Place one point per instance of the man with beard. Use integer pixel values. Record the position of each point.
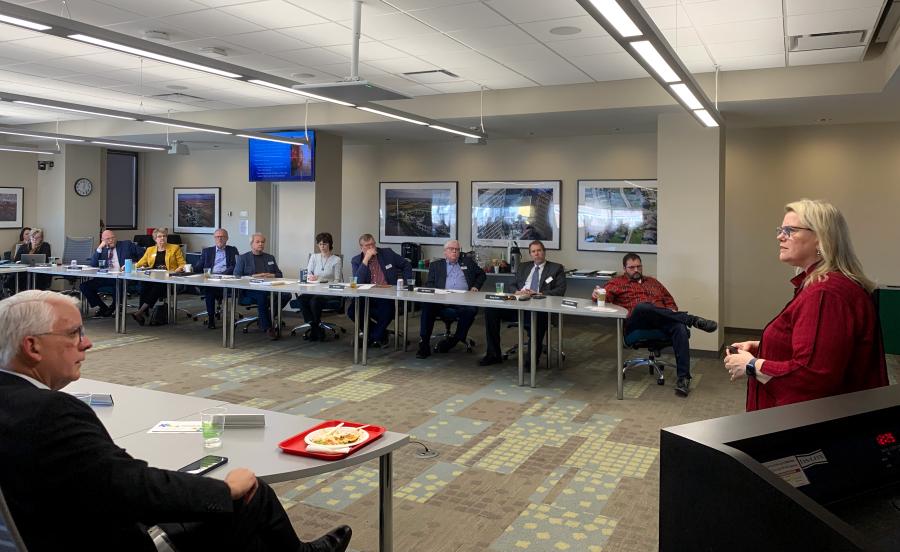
(651, 307)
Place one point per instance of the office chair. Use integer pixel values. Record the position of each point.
(332, 305)
(654, 341)
(10, 540)
(143, 240)
(449, 316)
(245, 321)
(78, 250)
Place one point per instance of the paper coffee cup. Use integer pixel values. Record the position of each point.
(601, 298)
(188, 268)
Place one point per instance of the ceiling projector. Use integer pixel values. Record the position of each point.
(177, 147)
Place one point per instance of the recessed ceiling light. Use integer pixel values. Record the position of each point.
(565, 30)
(214, 51)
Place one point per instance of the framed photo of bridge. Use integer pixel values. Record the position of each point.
(197, 210)
(11, 207)
(420, 212)
(617, 215)
(522, 211)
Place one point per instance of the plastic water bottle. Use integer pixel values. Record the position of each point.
(400, 284)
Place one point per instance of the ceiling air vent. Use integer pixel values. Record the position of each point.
(433, 76)
(828, 41)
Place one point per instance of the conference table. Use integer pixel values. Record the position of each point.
(362, 295)
(135, 411)
(13, 269)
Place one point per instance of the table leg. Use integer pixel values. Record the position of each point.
(521, 332)
(356, 330)
(16, 278)
(397, 324)
(225, 294)
(232, 311)
(124, 305)
(385, 504)
(365, 340)
(559, 342)
(405, 324)
(174, 304)
(31, 280)
(532, 350)
(620, 393)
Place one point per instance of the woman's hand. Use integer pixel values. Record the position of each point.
(751, 347)
(736, 363)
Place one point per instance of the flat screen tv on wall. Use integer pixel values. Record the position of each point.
(279, 162)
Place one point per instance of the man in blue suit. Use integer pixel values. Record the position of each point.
(380, 266)
(256, 263)
(113, 254)
(452, 272)
(220, 259)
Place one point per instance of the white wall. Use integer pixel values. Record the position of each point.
(296, 225)
(83, 214)
(20, 171)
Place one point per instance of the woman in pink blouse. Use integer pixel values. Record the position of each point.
(827, 339)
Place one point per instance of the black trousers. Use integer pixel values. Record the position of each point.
(311, 306)
(647, 316)
(492, 320)
(465, 317)
(382, 312)
(89, 288)
(152, 292)
(258, 526)
(210, 295)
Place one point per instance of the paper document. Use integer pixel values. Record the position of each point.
(600, 309)
(176, 427)
(270, 282)
(365, 286)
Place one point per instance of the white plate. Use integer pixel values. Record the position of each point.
(363, 435)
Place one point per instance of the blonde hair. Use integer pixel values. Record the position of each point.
(163, 231)
(835, 247)
(37, 231)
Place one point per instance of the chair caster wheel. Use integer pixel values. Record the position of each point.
(244, 330)
(660, 381)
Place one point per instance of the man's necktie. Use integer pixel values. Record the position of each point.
(535, 284)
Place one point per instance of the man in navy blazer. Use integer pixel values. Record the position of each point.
(113, 253)
(220, 259)
(377, 265)
(452, 272)
(256, 263)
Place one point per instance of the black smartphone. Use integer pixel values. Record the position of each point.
(732, 350)
(538, 296)
(204, 465)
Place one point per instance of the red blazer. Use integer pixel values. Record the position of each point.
(826, 341)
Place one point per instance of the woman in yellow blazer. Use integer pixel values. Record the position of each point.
(163, 255)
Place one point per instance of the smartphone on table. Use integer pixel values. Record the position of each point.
(204, 465)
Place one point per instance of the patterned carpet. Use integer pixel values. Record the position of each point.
(564, 466)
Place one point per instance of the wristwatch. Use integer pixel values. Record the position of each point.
(751, 367)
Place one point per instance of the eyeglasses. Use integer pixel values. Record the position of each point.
(77, 332)
(788, 231)
(635, 267)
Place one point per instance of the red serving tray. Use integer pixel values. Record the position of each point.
(297, 444)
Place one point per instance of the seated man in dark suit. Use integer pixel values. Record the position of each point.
(451, 272)
(53, 445)
(113, 254)
(536, 276)
(220, 259)
(259, 264)
(380, 266)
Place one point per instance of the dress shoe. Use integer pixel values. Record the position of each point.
(704, 324)
(272, 333)
(445, 345)
(105, 312)
(211, 324)
(683, 387)
(489, 360)
(335, 540)
(424, 350)
(139, 318)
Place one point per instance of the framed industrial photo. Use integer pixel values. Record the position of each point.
(420, 212)
(521, 211)
(197, 210)
(11, 207)
(617, 215)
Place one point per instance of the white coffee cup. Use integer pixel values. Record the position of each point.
(188, 268)
(601, 297)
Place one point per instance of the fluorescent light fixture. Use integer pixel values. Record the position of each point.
(646, 50)
(152, 55)
(392, 116)
(24, 150)
(613, 12)
(201, 129)
(41, 136)
(23, 23)
(705, 117)
(461, 133)
(49, 106)
(299, 92)
(119, 145)
(687, 96)
(272, 139)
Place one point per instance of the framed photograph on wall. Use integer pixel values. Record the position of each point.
(617, 215)
(11, 207)
(197, 210)
(519, 210)
(420, 212)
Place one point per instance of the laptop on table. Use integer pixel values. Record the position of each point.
(34, 260)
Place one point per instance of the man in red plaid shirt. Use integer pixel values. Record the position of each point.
(651, 307)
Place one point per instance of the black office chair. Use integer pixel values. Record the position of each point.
(10, 540)
(654, 341)
(143, 240)
(449, 316)
(332, 305)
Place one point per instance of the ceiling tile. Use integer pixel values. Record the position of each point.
(523, 11)
(425, 4)
(802, 7)
(685, 36)
(176, 33)
(369, 51)
(323, 34)
(343, 11)
(449, 60)
(541, 29)
(313, 57)
(834, 55)
(213, 23)
(298, 72)
(511, 81)
(699, 66)
(156, 8)
(34, 69)
(258, 62)
(365, 71)
(493, 37)
(730, 50)
(107, 60)
(691, 55)
(716, 12)
(195, 47)
(11, 32)
(266, 41)
(606, 67)
(480, 70)
(424, 45)
(755, 62)
(220, 3)
(402, 65)
(76, 65)
(456, 87)
(54, 46)
(668, 17)
(87, 11)
(464, 16)
(586, 46)
(97, 81)
(833, 21)
(657, 3)
(759, 29)
(274, 14)
(551, 74)
(531, 52)
(392, 26)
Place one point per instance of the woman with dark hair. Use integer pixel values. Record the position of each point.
(34, 246)
(827, 340)
(24, 239)
(322, 266)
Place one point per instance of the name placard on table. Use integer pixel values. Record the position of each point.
(424, 290)
(569, 303)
